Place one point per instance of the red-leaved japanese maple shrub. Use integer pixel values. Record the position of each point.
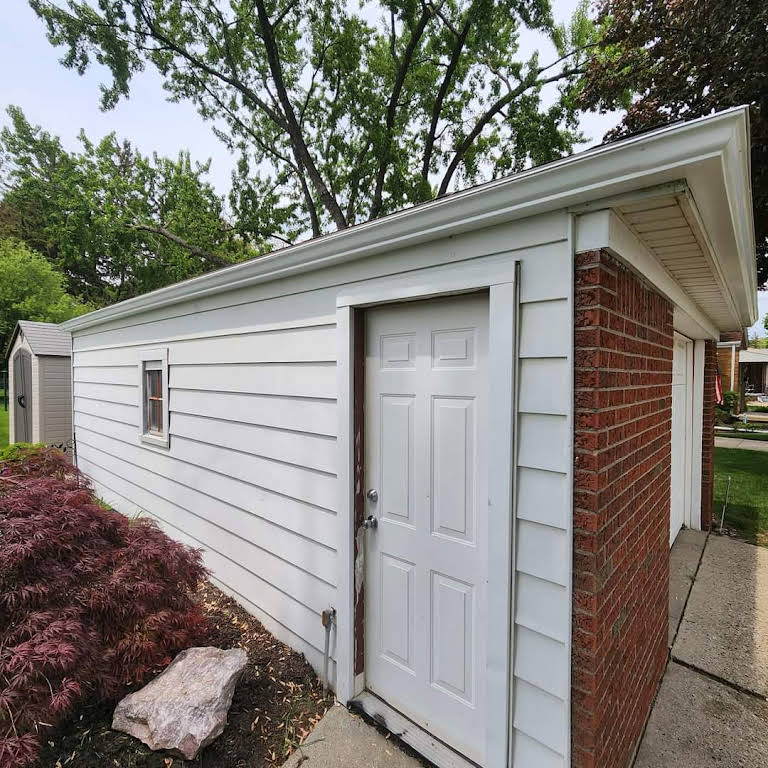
(90, 601)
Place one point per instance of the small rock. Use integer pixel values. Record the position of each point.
(185, 708)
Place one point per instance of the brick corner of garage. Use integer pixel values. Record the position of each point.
(623, 346)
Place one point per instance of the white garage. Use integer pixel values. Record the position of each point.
(468, 430)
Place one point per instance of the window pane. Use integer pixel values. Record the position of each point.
(153, 400)
(156, 409)
(154, 383)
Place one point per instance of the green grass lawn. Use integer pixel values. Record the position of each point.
(3, 422)
(747, 510)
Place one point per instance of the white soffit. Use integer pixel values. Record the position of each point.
(669, 227)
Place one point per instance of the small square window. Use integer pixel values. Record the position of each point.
(153, 369)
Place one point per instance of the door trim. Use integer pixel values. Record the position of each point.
(689, 472)
(500, 279)
(697, 425)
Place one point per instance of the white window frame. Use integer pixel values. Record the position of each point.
(155, 355)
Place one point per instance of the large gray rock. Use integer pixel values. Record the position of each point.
(185, 708)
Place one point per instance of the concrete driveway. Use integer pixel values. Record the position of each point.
(711, 709)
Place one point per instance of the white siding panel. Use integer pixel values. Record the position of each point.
(296, 617)
(311, 486)
(123, 375)
(545, 385)
(110, 393)
(105, 358)
(545, 329)
(126, 414)
(529, 753)
(542, 275)
(315, 416)
(300, 448)
(300, 585)
(542, 606)
(541, 661)
(542, 496)
(310, 380)
(540, 715)
(542, 551)
(189, 322)
(285, 346)
(544, 442)
(222, 499)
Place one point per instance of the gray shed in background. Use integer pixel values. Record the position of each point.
(39, 384)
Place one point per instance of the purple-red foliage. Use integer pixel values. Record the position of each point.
(90, 601)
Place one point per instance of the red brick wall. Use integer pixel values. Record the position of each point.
(708, 434)
(623, 399)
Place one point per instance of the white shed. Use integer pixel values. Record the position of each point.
(39, 360)
(472, 428)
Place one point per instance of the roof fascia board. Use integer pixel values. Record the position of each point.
(736, 168)
(610, 169)
(604, 229)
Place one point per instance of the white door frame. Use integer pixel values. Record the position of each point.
(501, 281)
(694, 398)
(697, 425)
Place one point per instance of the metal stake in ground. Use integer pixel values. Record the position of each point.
(725, 504)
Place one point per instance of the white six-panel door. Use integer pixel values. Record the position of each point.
(426, 427)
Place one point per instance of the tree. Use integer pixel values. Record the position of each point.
(341, 116)
(31, 289)
(664, 61)
(114, 222)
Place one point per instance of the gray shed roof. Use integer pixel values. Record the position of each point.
(43, 338)
(753, 356)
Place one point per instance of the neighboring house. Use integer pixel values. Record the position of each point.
(472, 428)
(754, 368)
(728, 356)
(38, 359)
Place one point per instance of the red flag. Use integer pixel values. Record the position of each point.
(718, 389)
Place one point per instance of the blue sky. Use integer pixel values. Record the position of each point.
(63, 102)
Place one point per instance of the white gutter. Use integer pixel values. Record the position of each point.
(655, 157)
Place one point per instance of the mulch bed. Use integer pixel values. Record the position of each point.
(277, 702)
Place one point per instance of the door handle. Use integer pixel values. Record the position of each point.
(20, 400)
(373, 495)
(370, 522)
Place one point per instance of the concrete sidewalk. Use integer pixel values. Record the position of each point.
(740, 442)
(711, 708)
(342, 738)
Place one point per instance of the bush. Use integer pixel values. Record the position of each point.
(90, 601)
(724, 412)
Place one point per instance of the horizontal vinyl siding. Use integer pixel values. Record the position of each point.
(542, 539)
(250, 476)
(251, 472)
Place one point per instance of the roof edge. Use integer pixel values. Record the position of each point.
(574, 179)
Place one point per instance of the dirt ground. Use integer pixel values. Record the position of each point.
(277, 702)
